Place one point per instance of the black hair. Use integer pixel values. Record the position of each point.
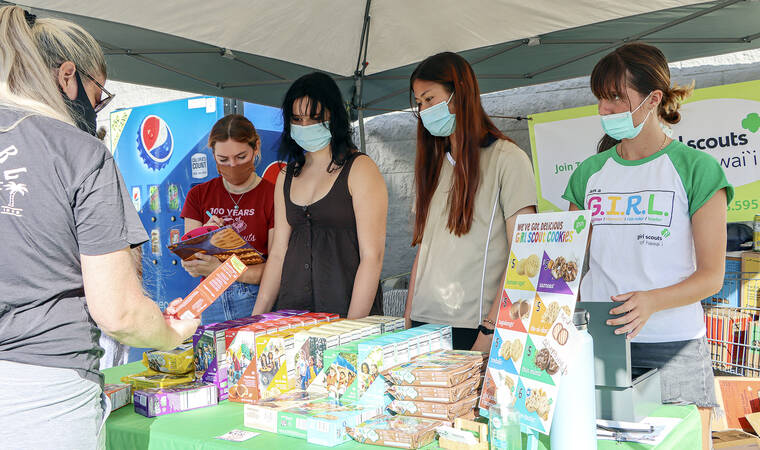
(322, 90)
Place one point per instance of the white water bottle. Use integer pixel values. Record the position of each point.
(574, 424)
(504, 422)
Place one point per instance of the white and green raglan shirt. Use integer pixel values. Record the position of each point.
(642, 238)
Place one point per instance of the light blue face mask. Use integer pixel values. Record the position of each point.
(438, 120)
(620, 126)
(312, 137)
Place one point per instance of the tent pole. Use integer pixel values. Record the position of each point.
(361, 66)
(362, 138)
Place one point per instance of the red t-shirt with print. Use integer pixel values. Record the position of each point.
(253, 219)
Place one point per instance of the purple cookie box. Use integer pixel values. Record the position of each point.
(291, 312)
(218, 378)
(185, 397)
(229, 324)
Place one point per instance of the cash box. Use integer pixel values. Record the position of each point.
(623, 392)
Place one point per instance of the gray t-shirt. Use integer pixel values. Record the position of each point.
(61, 195)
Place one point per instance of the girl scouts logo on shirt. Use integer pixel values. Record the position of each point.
(155, 142)
(631, 208)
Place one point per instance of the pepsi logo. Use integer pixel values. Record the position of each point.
(155, 142)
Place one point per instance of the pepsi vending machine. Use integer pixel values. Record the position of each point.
(162, 152)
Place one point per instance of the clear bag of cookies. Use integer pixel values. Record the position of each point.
(395, 431)
(434, 410)
(432, 372)
(434, 393)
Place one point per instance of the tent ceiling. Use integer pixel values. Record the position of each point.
(254, 50)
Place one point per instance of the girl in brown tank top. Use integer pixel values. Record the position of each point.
(327, 249)
(323, 251)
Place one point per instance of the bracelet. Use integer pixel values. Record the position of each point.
(484, 330)
(490, 321)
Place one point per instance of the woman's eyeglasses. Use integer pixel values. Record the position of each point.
(103, 102)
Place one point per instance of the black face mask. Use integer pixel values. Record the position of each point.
(81, 109)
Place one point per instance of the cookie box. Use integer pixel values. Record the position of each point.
(395, 431)
(262, 415)
(210, 289)
(454, 355)
(272, 363)
(387, 323)
(210, 346)
(218, 377)
(119, 395)
(309, 346)
(434, 410)
(329, 428)
(242, 373)
(177, 361)
(443, 373)
(375, 355)
(436, 394)
(321, 417)
(158, 402)
(148, 379)
(441, 337)
(291, 312)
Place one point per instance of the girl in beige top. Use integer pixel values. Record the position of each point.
(472, 182)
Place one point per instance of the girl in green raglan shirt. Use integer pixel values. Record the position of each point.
(658, 211)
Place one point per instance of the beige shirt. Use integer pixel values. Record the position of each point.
(450, 269)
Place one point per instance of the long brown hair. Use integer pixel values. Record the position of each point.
(644, 68)
(473, 130)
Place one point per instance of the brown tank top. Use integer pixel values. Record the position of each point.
(323, 251)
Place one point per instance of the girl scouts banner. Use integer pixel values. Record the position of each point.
(723, 121)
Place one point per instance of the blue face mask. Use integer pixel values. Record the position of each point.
(311, 137)
(620, 126)
(438, 120)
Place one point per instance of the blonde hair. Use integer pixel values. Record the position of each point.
(672, 100)
(31, 55)
(25, 79)
(60, 40)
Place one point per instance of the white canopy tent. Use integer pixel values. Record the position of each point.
(253, 50)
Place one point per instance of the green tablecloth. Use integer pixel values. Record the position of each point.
(198, 429)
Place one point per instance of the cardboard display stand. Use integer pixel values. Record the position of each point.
(541, 288)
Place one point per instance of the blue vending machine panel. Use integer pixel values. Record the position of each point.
(268, 123)
(162, 152)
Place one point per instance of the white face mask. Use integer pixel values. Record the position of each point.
(620, 126)
(311, 137)
(438, 120)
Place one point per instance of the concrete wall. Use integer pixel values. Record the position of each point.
(391, 137)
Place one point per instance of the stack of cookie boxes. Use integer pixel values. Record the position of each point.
(164, 369)
(442, 385)
(210, 344)
(338, 396)
(168, 385)
(247, 363)
(270, 358)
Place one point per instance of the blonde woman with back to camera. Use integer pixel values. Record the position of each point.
(68, 228)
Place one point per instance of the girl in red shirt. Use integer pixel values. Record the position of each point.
(238, 197)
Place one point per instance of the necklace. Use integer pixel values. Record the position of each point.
(248, 188)
(619, 148)
(236, 207)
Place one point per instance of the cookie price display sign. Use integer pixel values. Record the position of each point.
(529, 353)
